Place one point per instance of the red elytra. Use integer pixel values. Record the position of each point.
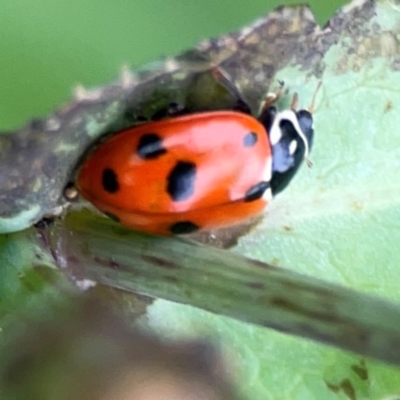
(178, 175)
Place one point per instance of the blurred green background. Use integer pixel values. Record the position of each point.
(48, 46)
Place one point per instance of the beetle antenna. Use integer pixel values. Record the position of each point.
(311, 107)
(295, 101)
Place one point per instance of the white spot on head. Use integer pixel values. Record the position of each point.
(292, 147)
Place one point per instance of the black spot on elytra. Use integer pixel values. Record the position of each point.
(150, 146)
(109, 181)
(112, 216)
(250, 139)
(181, 181)
(183, 227)
(256, 191)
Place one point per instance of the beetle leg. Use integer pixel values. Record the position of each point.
(272, 98)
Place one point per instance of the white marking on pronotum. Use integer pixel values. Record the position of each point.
(275, 134)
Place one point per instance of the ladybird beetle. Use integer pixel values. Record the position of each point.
(199, 171)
